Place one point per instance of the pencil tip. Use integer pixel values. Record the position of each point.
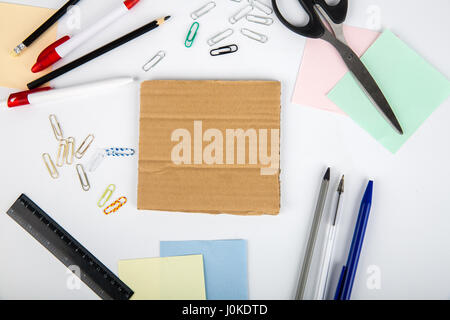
(341, 185)
(327, 175)
(167, 18)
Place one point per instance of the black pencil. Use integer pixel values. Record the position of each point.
(44, 27)
(96, 53)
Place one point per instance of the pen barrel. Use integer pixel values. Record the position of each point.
(94, 54)
(355, 250)
(312, 241)
(78, 39)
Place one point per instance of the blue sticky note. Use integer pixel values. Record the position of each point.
(225, 263)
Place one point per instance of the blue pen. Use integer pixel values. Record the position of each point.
(345, 285)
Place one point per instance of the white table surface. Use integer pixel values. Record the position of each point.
(408, 235)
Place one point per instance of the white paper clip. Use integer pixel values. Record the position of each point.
(241, 14)
(259, 19)
(203, 10)
(261, 6)
(254, 35)
(154, 61)
(96, 160)
(220, 36)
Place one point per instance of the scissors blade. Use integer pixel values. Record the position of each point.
(368, 84)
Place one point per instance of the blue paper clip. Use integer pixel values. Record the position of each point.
(120, 152)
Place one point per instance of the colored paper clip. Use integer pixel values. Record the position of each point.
(154, 61)
(50, 166)
(120, 152)
(70, 150)
(116, 205)
(254, 35)
(83, 177)
(56, 127)
(224, 50)
(259, 19)
(62, 153)
(261, 6)
(241, 14)
(191, 35)
(84, 146)
(106, 195)
(203, 10)
(220, 36)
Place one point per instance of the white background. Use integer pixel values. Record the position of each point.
(408, 233)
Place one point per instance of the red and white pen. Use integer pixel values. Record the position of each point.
(49, 94)
(62, 47)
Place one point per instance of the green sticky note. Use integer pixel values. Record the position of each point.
(412, 86)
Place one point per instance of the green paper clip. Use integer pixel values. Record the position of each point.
(106, 195)
(191, 35)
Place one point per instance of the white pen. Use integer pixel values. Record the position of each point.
(327, 254)
(49, 94)
(62, 47)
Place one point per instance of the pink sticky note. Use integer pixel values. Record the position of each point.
(322, 68)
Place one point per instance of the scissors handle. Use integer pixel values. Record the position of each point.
(314, 28)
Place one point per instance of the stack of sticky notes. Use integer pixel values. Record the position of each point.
(413, 87)
(190, 270)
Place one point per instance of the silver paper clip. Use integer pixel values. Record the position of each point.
(154, 61)
(261, 6)
(62, 153)
(241, 14)
(56, 127)
(70, 150)
(84, 146)
(259, 19)
(254, 35)
(224, 50)
(220, 36)
(203, 10)
(50, 166)
(83, 177)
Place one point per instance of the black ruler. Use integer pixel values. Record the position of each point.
(68, 250)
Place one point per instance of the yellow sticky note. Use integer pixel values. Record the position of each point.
(17, 22)
(171, 278)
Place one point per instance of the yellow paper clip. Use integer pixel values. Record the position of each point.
(56, 127)
(116, 205)
(70, 150)
(84, 146)
(50, 166)
(83, 177)
(62, 153)
(106, 195)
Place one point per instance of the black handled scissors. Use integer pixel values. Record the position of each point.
(320, 14)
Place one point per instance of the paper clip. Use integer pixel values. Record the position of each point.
(259, 19)
(62, 153)
(116, 205)
(70, 150)
(191, 35)
(56, 127)
(224, 50)
(120, 152)
(84, 146)
(254, 35)
(261, 6)
(203, 10)
(106, 195)
(220, 36)
(241, 14)
(50, 166)
(83, 177)
(154, 61)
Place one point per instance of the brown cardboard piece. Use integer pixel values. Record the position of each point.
(180, 121)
